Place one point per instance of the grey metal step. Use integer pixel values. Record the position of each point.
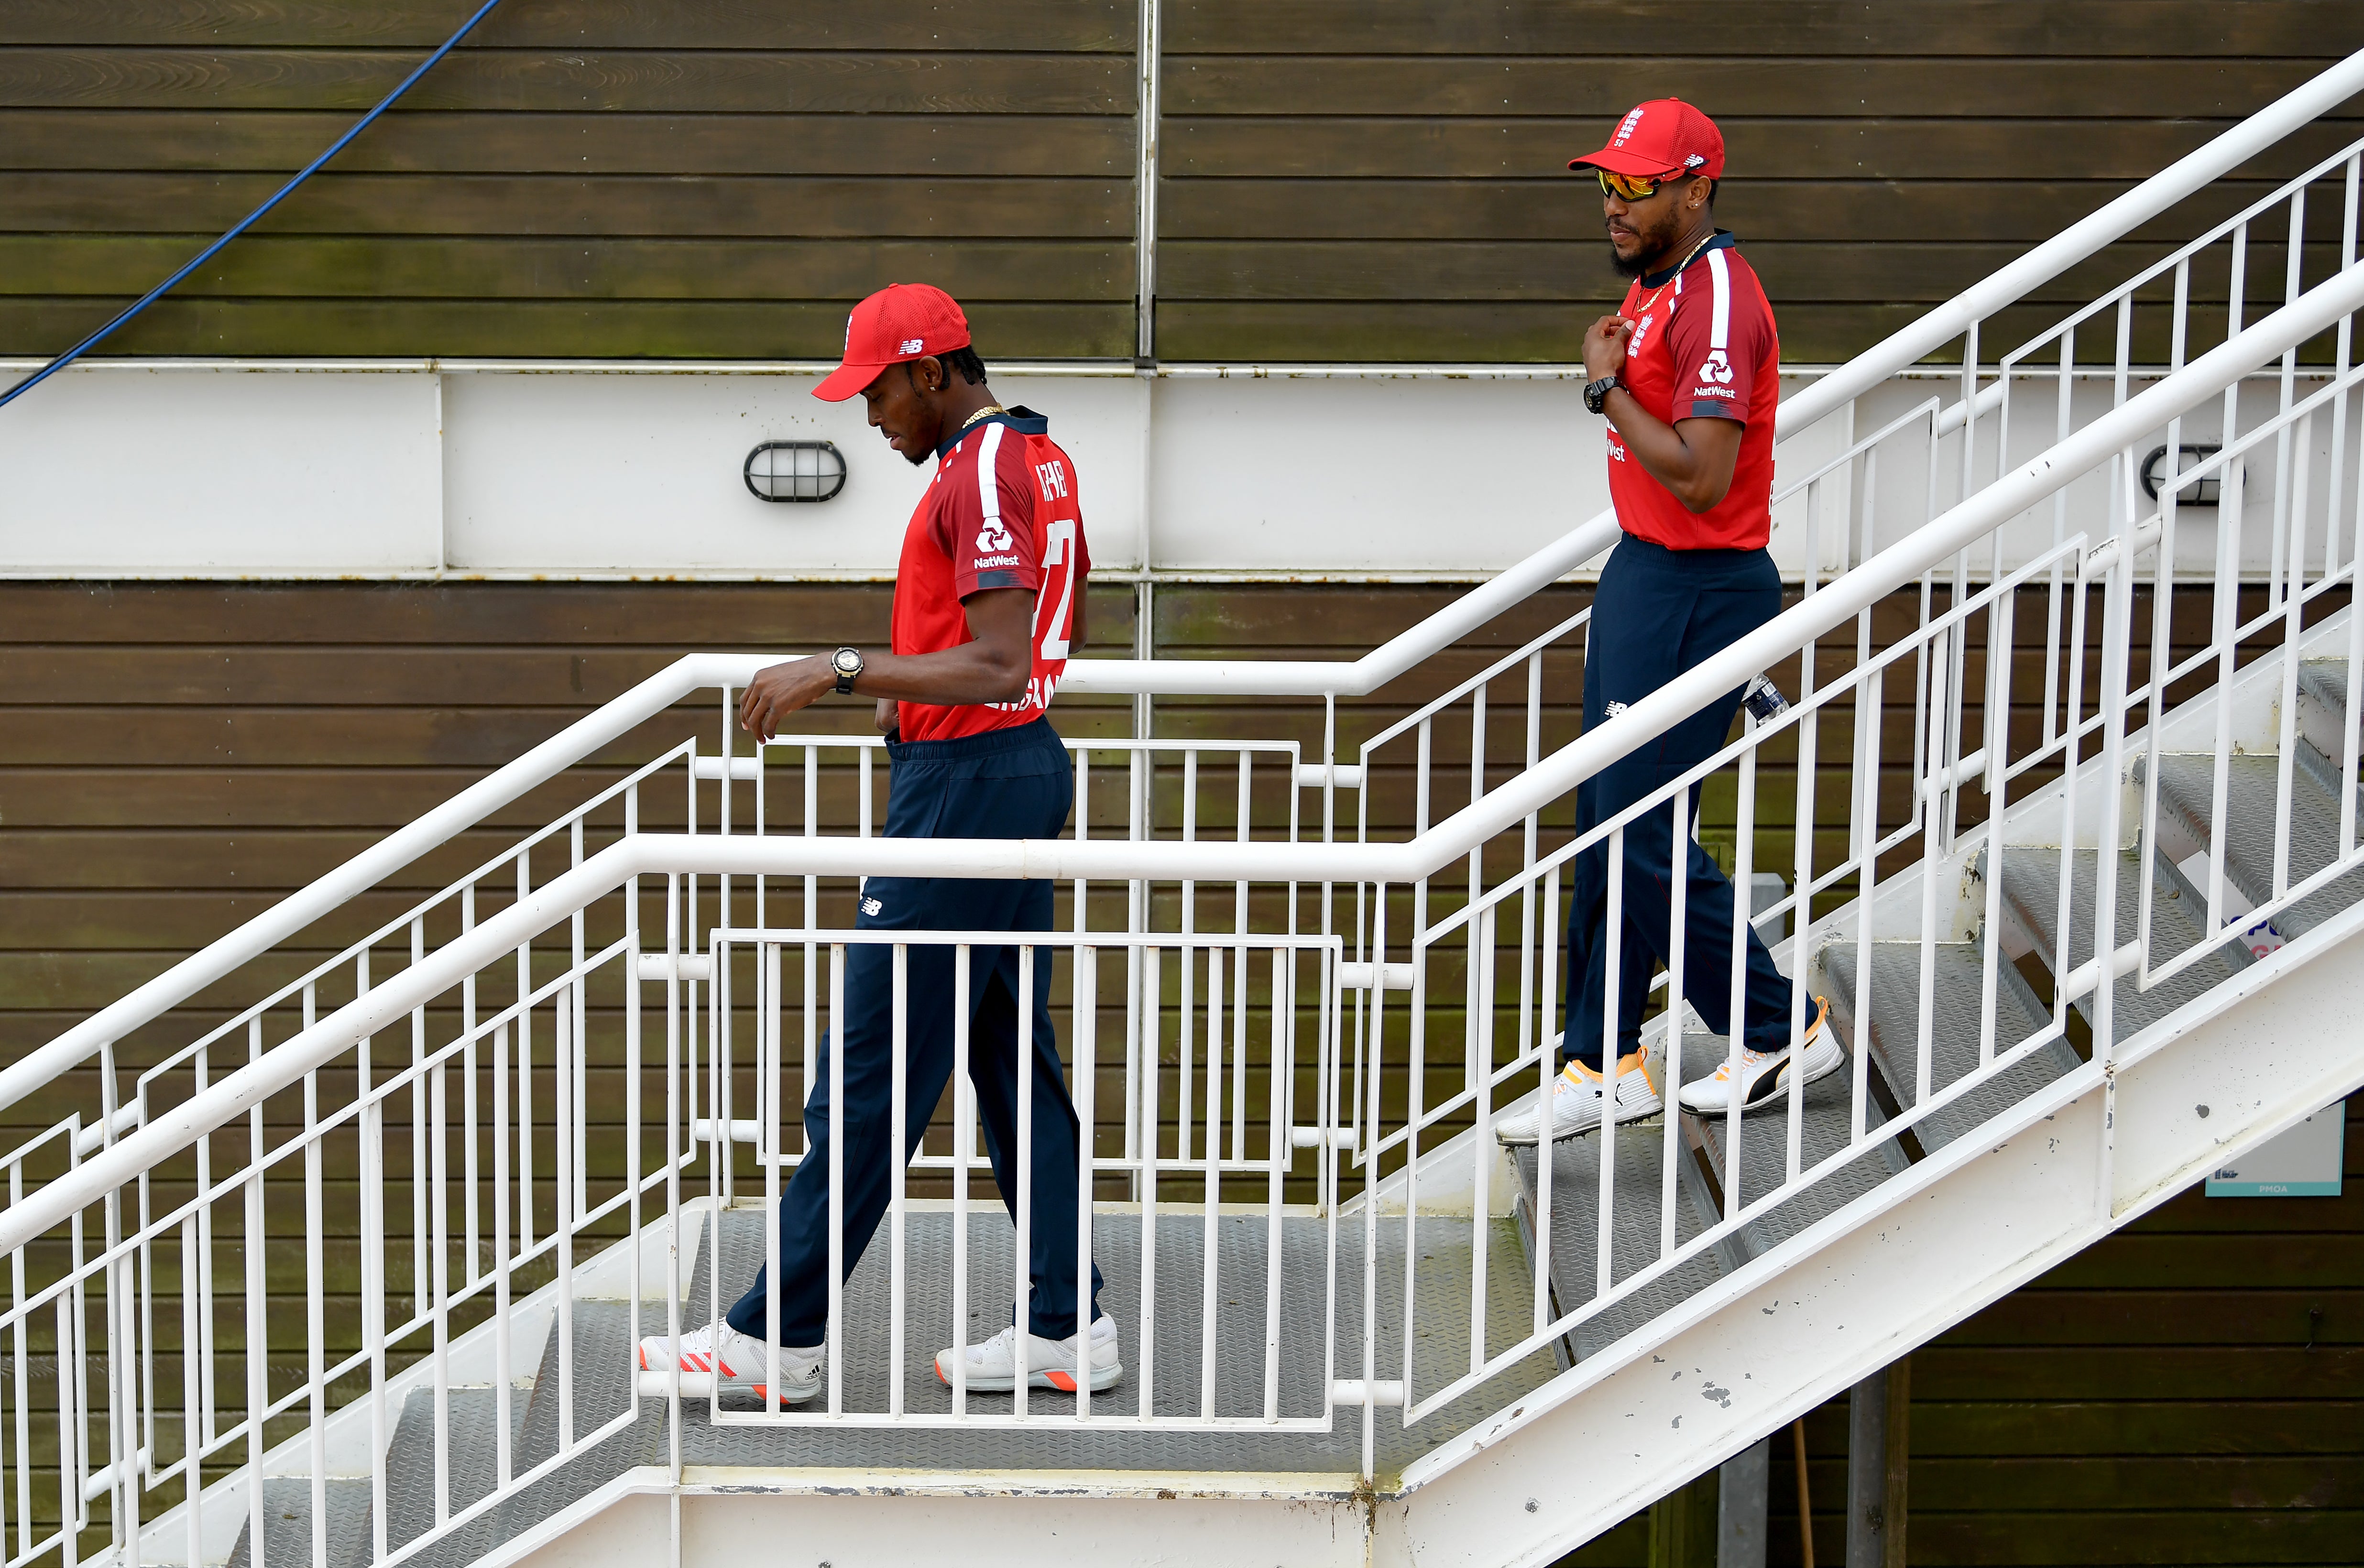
(2253, 787)
(1825, 1124)
(471, 1427)
(1634, 1224)
(1958, 1022)
(2031, 897)
(288, 1525)
(2323, 705)
(603, 1370)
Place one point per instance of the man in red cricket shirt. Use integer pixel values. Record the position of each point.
(1688, 375)
(989, 605)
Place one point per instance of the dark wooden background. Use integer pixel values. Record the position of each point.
(1342, 179)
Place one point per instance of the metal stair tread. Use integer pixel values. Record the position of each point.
(1825, 1125)
(2253, 785)
(472, 1425)
(1958, 1022)
(1633, 1228)
(2326, 679)
(2031, 889)
(603, 1366)
(287, 1524)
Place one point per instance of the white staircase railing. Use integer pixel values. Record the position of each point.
(462, 1165)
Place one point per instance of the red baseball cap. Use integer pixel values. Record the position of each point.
(1665, 136)
(901, 321)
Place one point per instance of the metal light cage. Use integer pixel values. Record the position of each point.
(795, 471)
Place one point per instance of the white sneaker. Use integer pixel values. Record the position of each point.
(1575, 1101)
(718, 1356)
(1050, 1364)
(1763, 1073)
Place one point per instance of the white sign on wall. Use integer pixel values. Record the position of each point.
(2301, 1162)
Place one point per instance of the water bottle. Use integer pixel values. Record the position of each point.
(1763, 699)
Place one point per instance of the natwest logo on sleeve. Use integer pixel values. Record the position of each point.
(993, 536)
(1716, 368)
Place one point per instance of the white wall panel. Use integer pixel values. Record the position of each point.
(566, 473)
(1333, 473)
(583, 470)
(113, 471)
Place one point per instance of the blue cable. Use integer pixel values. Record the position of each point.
(249, 221)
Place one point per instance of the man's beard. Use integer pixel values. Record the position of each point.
(1658, 248)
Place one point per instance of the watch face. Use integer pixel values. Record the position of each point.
(848, 661)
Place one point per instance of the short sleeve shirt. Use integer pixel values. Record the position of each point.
(1003, 511)
(1703, 347)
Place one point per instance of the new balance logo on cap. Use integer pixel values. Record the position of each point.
(913, 346)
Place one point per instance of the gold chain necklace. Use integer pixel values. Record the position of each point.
(1644, 307)
(989, 409)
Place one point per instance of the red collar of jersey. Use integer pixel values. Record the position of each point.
(1020, 418)
(1723, 241)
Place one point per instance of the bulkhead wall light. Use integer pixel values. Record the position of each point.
(795, 471)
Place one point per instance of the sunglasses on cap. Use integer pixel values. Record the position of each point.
(1633, 188)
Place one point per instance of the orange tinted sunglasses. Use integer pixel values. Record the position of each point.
(1629, 187)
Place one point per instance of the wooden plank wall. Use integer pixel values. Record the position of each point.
(699, 179)
(1356, 182)
(1342, 179)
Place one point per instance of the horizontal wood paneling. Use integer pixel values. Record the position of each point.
(721, 179)
(644, 81)
(1873, 147)
(681, 206)
(340, 266)
(1505, 84)
(1881, 156)
(1971, 27)
(715, 180)
(440, 143)
(1079, 24)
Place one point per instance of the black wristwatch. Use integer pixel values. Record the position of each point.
(1596, 393)
(847, 662)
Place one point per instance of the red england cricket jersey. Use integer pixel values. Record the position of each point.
(1004, 511)
(1703, 347)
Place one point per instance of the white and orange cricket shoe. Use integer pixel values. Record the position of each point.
(734, 1362)
(1577, 1101)
(1050, 1364)
(1763, 1073)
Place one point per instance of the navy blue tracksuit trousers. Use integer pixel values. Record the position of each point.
(1656, 613)
(1006, 784)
